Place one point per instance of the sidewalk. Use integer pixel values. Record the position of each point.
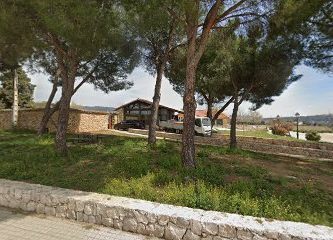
(14, 225)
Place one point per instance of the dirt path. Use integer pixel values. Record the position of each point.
(326, 137)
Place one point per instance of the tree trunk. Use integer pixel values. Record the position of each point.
(194, 53)
(188, 149)
(48, 111)
(233, 137)
(60, 139)
(210, 109)
(68, 77)
(217, 114)
(155, 105)
(15, 99)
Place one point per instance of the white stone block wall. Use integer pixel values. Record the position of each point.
(148, 218)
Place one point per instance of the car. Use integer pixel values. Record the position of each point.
(126, 124)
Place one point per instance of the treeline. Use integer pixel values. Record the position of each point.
(323, 119)
(217, 52)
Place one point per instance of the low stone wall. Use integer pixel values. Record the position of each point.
(148, 218)
(79, 120)
(303, 144)
(255, 144)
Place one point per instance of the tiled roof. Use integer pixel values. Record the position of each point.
(203, 113)
(149, 103)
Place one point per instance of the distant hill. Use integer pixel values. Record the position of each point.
(96, 108)
(77, 106)
(323, 119)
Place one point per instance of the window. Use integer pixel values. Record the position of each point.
(198, 122)
(206, 122)
(163, 117)
(145, 112)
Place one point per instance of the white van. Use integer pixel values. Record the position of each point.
(203, 126)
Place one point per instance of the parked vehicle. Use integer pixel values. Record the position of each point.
(126, 124)
(202, 126)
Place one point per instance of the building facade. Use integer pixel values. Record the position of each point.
(140, 109)
(222, 120)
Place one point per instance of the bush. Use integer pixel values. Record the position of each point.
(312, 136)
(281, 128)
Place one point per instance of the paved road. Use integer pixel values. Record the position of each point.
(326, 137)
(14, 226)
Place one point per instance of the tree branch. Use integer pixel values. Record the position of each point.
(87, 77)
(209, 22)
(217, 114)
(228, 11)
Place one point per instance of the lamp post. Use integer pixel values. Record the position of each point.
(297, 123)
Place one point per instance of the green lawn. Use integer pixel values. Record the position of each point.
(231, 181)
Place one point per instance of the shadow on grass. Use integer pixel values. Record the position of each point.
(222, 181)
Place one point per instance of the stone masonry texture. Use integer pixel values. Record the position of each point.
(308, 149)
(18, 225)
(79, 120)
(151, 219)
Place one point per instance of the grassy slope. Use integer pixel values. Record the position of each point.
(232, 181)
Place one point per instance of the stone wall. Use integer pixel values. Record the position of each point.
(316, 150)
(90, 121)
(5, 119)
(148, 218)
(79, 120)
(271, 141)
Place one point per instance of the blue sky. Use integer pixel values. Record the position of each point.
(312, 94)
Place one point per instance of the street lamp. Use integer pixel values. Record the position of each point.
(297, 122)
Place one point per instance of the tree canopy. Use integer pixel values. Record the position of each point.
(158, 31)
(87, 41)
(311, 21)
(25, 89)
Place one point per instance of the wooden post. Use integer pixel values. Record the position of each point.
(15, 99)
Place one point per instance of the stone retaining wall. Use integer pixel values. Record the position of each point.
(257, 144)
(271, 141)
(79, 120)
(148, 218)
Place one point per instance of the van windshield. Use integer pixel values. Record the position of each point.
(206, 122)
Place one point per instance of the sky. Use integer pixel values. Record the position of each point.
(311, 95)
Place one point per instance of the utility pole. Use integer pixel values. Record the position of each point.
(15, 99)
(297, 122)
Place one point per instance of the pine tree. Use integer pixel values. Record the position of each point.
(88, 40)
(25, 89)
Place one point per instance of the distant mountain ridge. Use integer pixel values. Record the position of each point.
(324, 119)
(77, 106)
(96, 108)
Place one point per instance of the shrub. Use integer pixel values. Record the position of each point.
(162, 178)
(312, 136)
(281, 128)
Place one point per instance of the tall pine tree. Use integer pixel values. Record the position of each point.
(25, 89)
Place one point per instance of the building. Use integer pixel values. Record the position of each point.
(222, 120)
(79, 120)
(140, 109)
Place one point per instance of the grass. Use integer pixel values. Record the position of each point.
(231, 181)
